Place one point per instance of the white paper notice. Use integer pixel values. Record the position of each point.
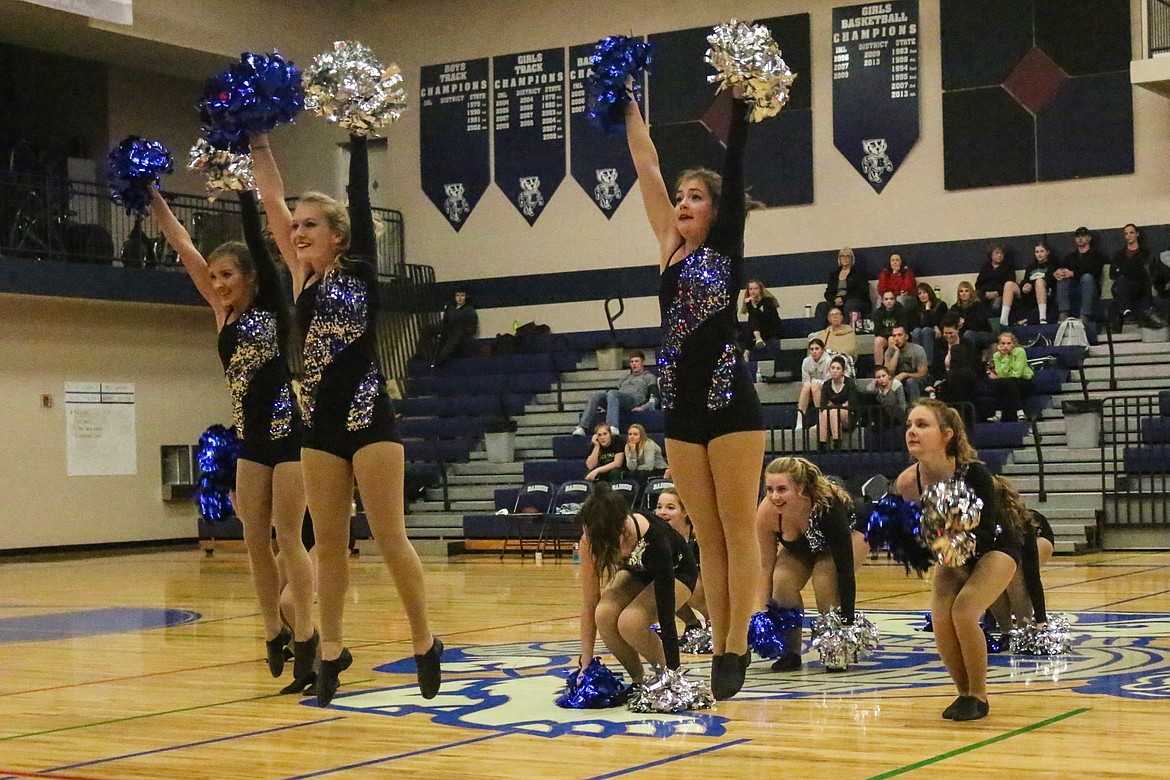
(99, 429)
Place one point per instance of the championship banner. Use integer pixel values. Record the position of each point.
(875, 86)
(600, 161)
(529, 129)
(454, 155)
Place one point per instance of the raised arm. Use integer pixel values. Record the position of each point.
(271, 188)
(178, 237)
(364, 243)
(767, 523)
(726, 235)
(655, 197)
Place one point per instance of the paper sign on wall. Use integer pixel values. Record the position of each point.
(99, 429)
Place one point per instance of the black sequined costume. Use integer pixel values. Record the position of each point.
(990, 534)
(660, 557)
(345, 404)
(263, 406)
(1030, 564)
(829, 533)
(707, 391)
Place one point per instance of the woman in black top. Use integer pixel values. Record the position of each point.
(996, 284)
(646, 568)
(1130, 272)
(804, 530)
(974, 313)
(608, 456)
(458, 325)
(1024, 597)
(926, 328)
(762, 329)
(349, 422)
(957, 373)
(1039, 284)
(251, 314)
(838, 395)
(847, 290)
(888, 315)
(937, 440)
(714, 423)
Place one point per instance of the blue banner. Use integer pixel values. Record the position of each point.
(529, 129)
(454, 156)
(601, 161)
(875, 86)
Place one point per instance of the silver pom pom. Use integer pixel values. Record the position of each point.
(1051, 638)
(669, 690)
(225, 170)
(696, 640)
(950, 512)
(841, 644)
(748, 56)
(349, 86)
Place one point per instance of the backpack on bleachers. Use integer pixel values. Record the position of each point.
(1071, 333)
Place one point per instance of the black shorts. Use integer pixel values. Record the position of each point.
(703, 426)
(271, 452)
(344, 443)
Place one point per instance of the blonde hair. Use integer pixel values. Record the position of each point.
(806, 475)
(1011, 336)
(846, 251)
(641, 445)
(965, 286)
(1012, 511)
(764, 294)
(959, 447)
(336, 215)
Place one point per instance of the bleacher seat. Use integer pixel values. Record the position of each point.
(527, 519)
(654, 487)
(629, 489)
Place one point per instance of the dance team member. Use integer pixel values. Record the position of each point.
(645, 568)
(349, 423)
(671, 509)
(937, 440)
(713, 420)
(252, 319)
(805, 531)
(1024, 599)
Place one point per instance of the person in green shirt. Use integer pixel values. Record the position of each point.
(1011, 378)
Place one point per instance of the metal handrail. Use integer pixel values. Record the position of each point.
(1037, 438)
(610, 318)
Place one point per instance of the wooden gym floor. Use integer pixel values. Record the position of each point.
(178, 689)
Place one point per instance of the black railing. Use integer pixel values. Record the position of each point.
(408, 304)
(1135, 461)
(1158, 30)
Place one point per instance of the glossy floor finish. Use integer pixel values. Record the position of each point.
(178, 687)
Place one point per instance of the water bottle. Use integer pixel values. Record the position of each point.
(807, 310)
(576, 552)
(937, 291)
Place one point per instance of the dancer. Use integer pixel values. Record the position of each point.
(714, 423)
(646, 568)
(937, 440)
(1023, 603)
(252, 319)
(349, 423)
(805, 531)
(671, 509)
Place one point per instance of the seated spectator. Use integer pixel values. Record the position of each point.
(1078, 278)
(972, 313)
(637, 391)
(897, 278)
(906, 362)
(996, 285)
(889, 397)
(1130, 272)
(1011, 378)
(848, 289)
(838, 337)
(761, 332)
(888, 315)
(643, 456)
(926, 320)
(1039, 281)
(608, 456)
(838, 394)
(458, 325)
(957, 372)
(813, 373)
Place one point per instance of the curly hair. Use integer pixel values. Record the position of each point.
(1012, 511)
(959, 447)
(603, 516)
(806, 475)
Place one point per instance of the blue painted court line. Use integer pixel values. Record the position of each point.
(90, 622)
(412, 753)
(679, 757)
(194, 744)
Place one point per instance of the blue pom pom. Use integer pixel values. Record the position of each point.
(766, 630)
(595, 687)
(894, 525)
(614, 60)
(132, 168)
(253, 96)
(219, 448)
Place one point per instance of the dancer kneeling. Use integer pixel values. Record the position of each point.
(805, 532)
(696, 636)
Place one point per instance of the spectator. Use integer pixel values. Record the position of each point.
(1011, 378)
(972, 313)
(762, 329)
(607, 458)
(637, 391)
(897, 278)
(906, 362)
(459, 324)
(813, 373)
(887, 316)
(996, 284)
(1078, 278)
(957, 371)
(838, 338)
(643, 456)
(838, 394)
(890, 398)
(847, 289)
(927, 320)
(1039, 280)
(1130, 272)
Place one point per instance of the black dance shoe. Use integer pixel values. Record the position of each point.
(971, 709)
(430, 673)
(727, 678)
(955, 706)
(327, 677)
(276, 648)
(789, 662)
(304, 659)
